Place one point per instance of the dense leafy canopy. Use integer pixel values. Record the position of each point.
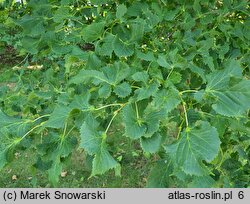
(176, 72)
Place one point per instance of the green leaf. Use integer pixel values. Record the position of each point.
(80, 54)
(141, 76)
(123, 49)
(57, 148)
(230, 99)
(7, 144)
(223, 50)
(104, 91)
(67, 146)
(149, 56)
(202, 182)
(199, 71)
(86, 74)
(121, 10)
(196, 144)
(220, 79)
(163, 62)
(93, 141)
(159, 176)
(146, 91)
(167, 99)
(116, 72)
(170, 15)
(137, 30)
(93, 62)
(91, 138)
(93, 31)
(151, 144)
(133, 126)
(151, 118)
(58, 117)
(81, 102)
(175, 77)
(137, 126)
(55, 171)
(7, 121)
(30, 44)
(99, 2)
(61, 14)
(105, 46)
(209, 61)
(31, 26)
(233, 101)
(14, 126)
(103, 162)
(123, 90)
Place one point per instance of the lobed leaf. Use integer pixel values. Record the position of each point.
(197, 144)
